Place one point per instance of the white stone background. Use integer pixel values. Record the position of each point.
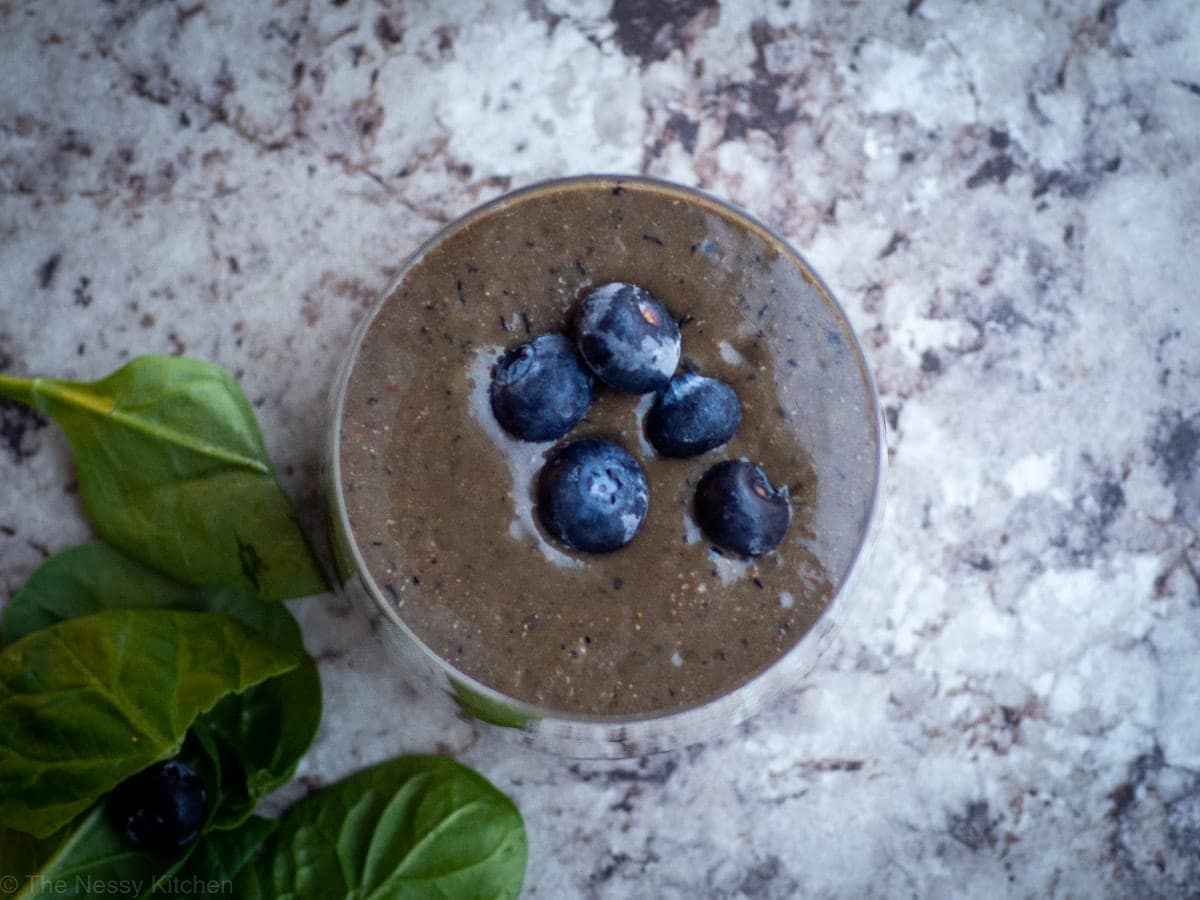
(1005, 196)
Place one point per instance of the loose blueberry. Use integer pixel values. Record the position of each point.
(628, 338)
(739, 510)
(541, 389)
(160, 808)
(592, 496)
(692, 415)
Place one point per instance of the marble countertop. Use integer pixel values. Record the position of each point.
(1006, 198)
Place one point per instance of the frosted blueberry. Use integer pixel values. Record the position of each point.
(739, 510)
(592, 495)
(628, 338)
(541, 389)
(692, 415)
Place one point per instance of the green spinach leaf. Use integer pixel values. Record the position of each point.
(86, 858)
(487, 710)
(88, 702)
(415, 827)
(172, 469)
(88, 579)
(90, 856)
(21, 855)
(89, 853)
(261, 733)
(256, 737)
(218, 859)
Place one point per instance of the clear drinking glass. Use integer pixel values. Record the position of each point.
(844, 436)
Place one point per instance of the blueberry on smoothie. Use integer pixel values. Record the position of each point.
(692, 415)
(541, 389)
(739, 510)
(592, 495)
(628, 338)
(161, 808)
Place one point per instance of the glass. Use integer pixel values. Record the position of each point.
(846, 434)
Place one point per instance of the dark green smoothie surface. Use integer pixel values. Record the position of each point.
(440, 500)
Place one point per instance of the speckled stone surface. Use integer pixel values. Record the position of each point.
(1005, 196)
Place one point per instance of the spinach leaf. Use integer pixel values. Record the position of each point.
(87, 857)
(218, 859)
(91, 852)
(261, 733)
(87, 579)
(256, 737)
(20, 856)
(486, 709)
(91, 856)
(88, 852)
(415, 827)
(88, 702)
(173, 470)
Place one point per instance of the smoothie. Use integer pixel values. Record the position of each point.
(440, 500)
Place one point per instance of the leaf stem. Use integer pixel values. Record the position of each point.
(19, 389)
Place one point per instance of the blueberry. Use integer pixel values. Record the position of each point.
(541, 389)
(692, 415)
(592, 496)
(739, 510)
(628, 338)
(160, 808)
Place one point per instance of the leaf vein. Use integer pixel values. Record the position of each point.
(71, 396)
